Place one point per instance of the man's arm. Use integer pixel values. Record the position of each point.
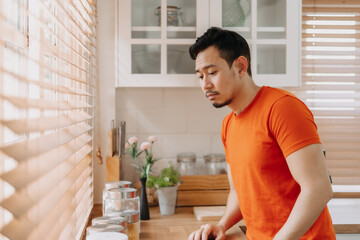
(231, 216)
(307, 166)
(232, 213)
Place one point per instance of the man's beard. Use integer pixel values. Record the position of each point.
(220, 105)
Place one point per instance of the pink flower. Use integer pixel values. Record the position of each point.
(145, 146)
(127, 145)
(152, 139)
(132, 140)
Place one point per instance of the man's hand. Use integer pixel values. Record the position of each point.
(208, 232)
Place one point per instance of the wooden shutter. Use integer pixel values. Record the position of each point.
(47, 100)
(331, 81)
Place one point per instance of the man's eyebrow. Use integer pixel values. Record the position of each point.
(204, 68)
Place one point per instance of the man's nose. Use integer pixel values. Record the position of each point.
(207, 83)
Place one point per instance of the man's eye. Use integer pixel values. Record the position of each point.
(212, 73)
(201, 77)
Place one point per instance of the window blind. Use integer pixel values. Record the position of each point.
(331, 81)
(47, 110)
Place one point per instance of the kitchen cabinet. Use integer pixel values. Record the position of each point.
(152, 45)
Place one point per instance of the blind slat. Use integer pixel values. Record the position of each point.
(320, 79)
(37, 146)
(356, 44)
(22, 102)
(336, 9)
(45, 123)
(46, 162)
(50, 190)
(48, 86)
(345, 160)
(328, 2)
(332, 62)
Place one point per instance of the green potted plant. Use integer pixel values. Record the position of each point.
(166, 186)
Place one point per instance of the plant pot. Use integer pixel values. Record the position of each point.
(167, 200)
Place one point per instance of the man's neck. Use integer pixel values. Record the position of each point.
(245, 97)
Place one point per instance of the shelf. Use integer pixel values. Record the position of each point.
(270, 29)
(158, 29)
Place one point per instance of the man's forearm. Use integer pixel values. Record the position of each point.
(309, 205)
(232, 213)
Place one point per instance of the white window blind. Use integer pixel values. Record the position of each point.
(47, 100)
(331, 81)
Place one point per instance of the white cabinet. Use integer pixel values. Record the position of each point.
(152, 45)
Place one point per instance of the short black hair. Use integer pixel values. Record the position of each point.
(231, 45)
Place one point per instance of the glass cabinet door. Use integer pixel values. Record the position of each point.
(159, 37)
(271, 19)
(271, 27)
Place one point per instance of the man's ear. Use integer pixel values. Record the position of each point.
(241, 64)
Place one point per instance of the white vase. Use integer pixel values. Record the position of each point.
(167, 200)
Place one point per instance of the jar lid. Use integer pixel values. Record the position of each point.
(118, 184)
(186, 157)
(118, 220)
(122, 193)
(132, 215)
(104, 228)
(171, 8)
(214, 157)
(107, 236)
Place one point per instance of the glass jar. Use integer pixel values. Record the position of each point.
(121, 199)
(187, 163)
(132, 218)
(114, 220)
(104, 228)
(215, 163)
(133, 224)
(114, 184)
(173, 15)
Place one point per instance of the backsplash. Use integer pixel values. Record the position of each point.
(182, 119)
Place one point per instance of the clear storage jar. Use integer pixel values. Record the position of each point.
(121, 199)
(114, 220)
(173, 15)
(133, 224)
(215, 163)
(187, 163)
(114, 184)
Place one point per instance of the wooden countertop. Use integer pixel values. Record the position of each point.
(345, 214)
(178, 226)
(175, 227)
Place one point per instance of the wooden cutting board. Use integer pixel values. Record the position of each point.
(210, 213)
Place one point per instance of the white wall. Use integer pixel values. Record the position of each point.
(106, 89)
(182, 119)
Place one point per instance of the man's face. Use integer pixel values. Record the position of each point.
(217, 79)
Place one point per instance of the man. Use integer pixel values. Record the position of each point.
(278, 179)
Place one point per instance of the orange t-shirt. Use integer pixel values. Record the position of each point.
(256, 143)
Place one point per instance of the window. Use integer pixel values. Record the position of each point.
(331, 81)
(47, 110)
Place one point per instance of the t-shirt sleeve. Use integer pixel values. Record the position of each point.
(292, 124)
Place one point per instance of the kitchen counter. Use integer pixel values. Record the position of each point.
(345, 215)
(175, 227)
(178, 226)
